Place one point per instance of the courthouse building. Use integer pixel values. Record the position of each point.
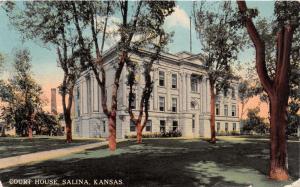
(180, 99)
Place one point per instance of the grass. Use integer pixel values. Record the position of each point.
(167, 162)
(14, 146)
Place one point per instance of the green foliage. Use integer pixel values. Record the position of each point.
(35, 21)
(221, 40)
(46, 123)
(285, 12)
(20, 94)
(145, 135)
(228, 133)
(171, 133)
(293, 118)
(155, 39)
(254, 122)
(245, 91)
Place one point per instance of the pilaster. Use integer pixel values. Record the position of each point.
(155, 83)
(168, 87)
(188, 91)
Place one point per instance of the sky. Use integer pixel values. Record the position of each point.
(49, 75)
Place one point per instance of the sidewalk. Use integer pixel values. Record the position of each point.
(46, 155)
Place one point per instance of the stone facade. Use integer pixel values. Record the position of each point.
(180, 99)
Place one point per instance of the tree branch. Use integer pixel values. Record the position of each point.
(283, 71)
(105, 25)
(259, 48)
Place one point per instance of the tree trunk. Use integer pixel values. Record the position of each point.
(67, 110)
(30, 124)
(112, 143)
(3, 130)
(30, 130)
(278, 144)
(212, 114)
(68, 122)
(277, 90)
(139, 132)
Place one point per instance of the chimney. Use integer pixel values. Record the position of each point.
(53, 101)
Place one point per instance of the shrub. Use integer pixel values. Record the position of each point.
(234, 133)
(175, 133)
(221, 133)
(171, 133)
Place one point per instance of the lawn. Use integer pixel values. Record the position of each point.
(232, 162)
(13, 146)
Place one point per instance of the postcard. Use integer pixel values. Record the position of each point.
(150, 93)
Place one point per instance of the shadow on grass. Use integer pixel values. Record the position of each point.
(158, 162)
(18, 146)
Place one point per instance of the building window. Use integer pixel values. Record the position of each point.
(78, 101)
(218, 126)
(161, 78)
(161, 104)
(233, 110)
(234, 126)
(233, 93)
(225, 92)
(174, 104)
(132, 126)
(162, 126)
(193, 123)
(217, 109)
(226, 127)
(175, 125)
(104, 126)
(225, 110)
(194, 83)
(133, 101)
(149, 126)
(88, 93)
(174, 80)
(77, 128)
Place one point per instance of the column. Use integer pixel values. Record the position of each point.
(94, 101)
(184, 91)
(202, 90)
(124, 88)
(168, 99)
(180, 91)
(188, 92)
(197, 125)
(207, 96)
(200, 94)
(155, 83)
(203, 95)
(82, 96)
